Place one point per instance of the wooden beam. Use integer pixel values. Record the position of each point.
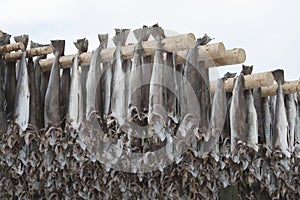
(251, 81)
(29, 53)
(215, 55)
(288, 88)
(175, 43)
(231, 57)
(11, 47)
(209, 52)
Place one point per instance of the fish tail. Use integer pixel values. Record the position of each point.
(36, 45)
(157, 32)
(103, 38)
(146, 37)
(58, 46)
(278, 76)
(120, 38)
(22, 39)
(247, 70)
(82, 45)
(4, 38)
(140, 34)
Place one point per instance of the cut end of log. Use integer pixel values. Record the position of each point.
(233, 56)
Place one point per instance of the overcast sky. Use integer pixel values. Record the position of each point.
(269, 30)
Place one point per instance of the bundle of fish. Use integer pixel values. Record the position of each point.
(69, 133)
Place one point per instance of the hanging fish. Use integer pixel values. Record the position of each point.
(258, 107)
(83, 78)
(226, 129)
(11, 82)
(157, 115)
(218, 115)
(75, 112)
(190, 91)
(171, 85)
(118, 107)
(251, 115)
(45, 76)
(135, 92)
(4, 39)
(147, 72)
(267, 121)
(251, 121)
(238, 113)
(281, 126)
(38, 83)
(52, 114)
(104, 86)
(33, 95)
(22, 92)
(297, 129)
(3, 122)
(93, 77)
(291, 112)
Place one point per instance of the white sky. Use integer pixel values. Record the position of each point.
(269, 30)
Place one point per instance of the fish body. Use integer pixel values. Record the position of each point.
(33, 95)
(238, 113)
(3, 122)
(157, 115)
(281, 126)
(291, 112)
(171, 88)
(218, 115)
(11, 82)
(52, 115)
(104, 86)
(93, 77)
(22, 95)
(118, 107)
(251, 121)
(267, 122)
(65, 91)
(258, 108)
(135, 83)
(21, 111)
(45, 76)
(75, 112)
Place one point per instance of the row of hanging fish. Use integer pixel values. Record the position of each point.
(146, 90)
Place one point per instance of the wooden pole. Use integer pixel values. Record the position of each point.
(174, 43)
(107, 55)
(29, 53)
(288, 88)
(11, 47)
(215, 55)
(234, 56)
(251, 81)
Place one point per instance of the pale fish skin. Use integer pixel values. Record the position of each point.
(93, 77)
(251, 121)
(157, 115)
(281, 126)
(267, 119)
(22, 95)
(291, 111)
(218, 115)
(135, 92)
(238, 114)
(75, 101)
(52, 114)
(118, 107)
